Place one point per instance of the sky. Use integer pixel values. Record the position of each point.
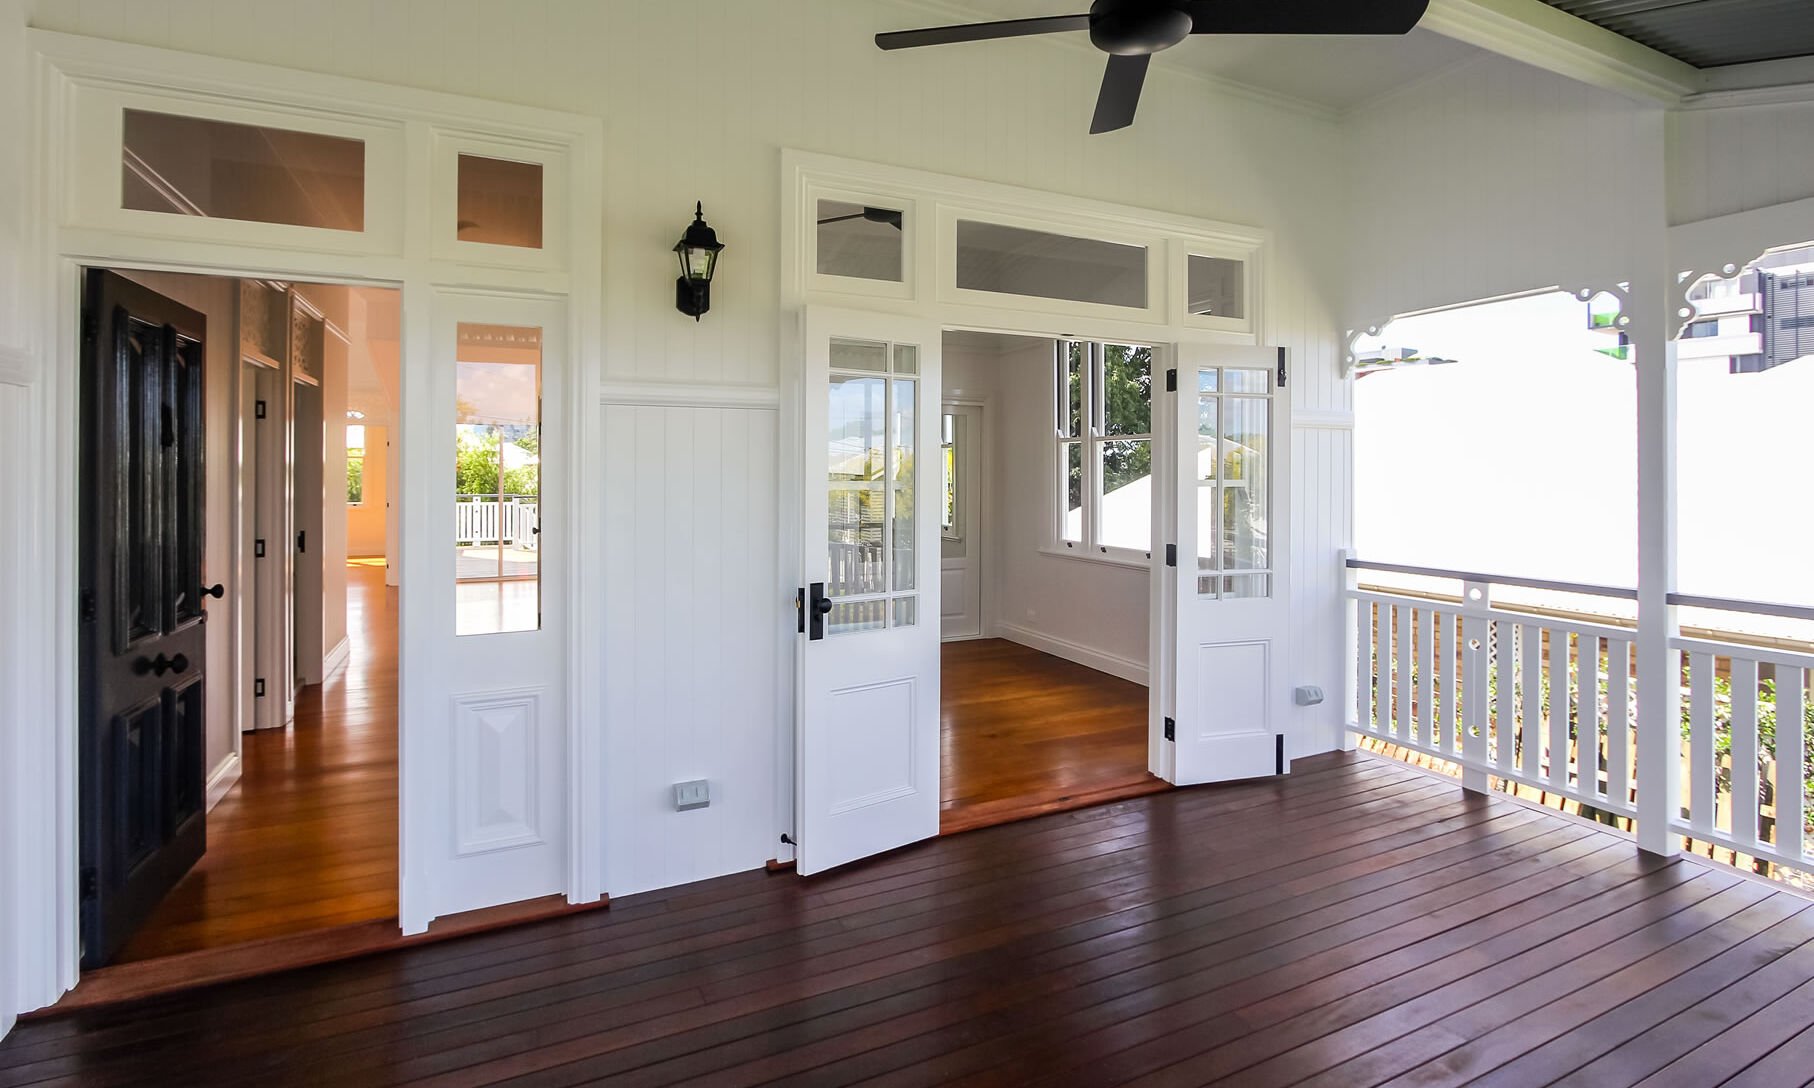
(1521, 459)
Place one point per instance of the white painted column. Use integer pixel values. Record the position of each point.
(1659, 762)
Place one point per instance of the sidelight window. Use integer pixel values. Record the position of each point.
(497, 479)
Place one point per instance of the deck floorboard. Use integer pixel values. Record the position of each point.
(1355, 923)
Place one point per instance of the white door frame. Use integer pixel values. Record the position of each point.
(932, 204)
(76, 79)
(974, 407)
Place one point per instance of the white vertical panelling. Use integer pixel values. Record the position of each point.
(1736, 159)
(690, 653)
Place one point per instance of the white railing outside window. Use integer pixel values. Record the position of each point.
(510, 520)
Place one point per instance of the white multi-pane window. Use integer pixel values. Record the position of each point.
(1103, 427)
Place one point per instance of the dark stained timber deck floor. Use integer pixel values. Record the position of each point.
(1357, 923)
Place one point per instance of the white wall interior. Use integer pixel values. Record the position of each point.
(1483, 179)
(1082, 609)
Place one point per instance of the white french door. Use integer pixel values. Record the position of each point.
(1225, 602)
(868, 747)
(486, 535)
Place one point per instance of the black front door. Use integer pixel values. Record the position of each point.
(142, 742)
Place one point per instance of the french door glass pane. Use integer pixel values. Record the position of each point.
(1208, 424)
(1244, 488)
(1127, 495)
(1246, 380)
(857, 439)
(870, 615)
(902, 474)
(497, 479)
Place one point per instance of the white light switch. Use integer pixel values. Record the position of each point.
(694, 794)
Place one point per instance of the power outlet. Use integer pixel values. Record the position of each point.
(694, 794)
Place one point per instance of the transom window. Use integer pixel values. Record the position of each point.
(1103, 401)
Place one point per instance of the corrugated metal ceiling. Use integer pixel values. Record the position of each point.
(1707, 33)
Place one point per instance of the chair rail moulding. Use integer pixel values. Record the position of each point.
(81, 90)
(690, 394)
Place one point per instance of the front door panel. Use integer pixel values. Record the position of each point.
(141, 637)
(869, 762)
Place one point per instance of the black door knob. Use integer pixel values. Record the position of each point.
(217, 591)
(823, 606)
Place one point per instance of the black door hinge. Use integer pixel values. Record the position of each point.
(258, 548)
(1281, 368)
(258, 688)
(91, 883)
(258, 410)
(1171, 381)
(87, 606)
(1171, 729)
(302, 541)
(1171, 555)
(800, 610)
(91, 325)
(1280, 753)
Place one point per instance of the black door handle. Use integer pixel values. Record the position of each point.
(159, 665)
(816, 611)
(217, 591)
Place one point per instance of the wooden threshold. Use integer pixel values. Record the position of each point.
(1042, 803)
(189, 970)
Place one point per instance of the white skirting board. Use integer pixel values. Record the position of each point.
(336, 658)
(1125, 668)
(223, 779)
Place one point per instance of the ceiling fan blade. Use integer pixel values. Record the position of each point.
(977, 32)
(1304, 16)
(841, 218)
(1120, 94)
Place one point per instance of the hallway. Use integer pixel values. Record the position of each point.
(308, 838)
(1022, 733)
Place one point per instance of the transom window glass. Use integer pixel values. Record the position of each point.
(1216, 287)
(871, 477)
(1103, 396)
(860, 241)
(1015, 261)
(1234, 481)
(499, 202)
(497, 479)
(223, 170)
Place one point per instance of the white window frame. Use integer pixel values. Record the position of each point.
(1248, 253)
(1094, 437)
(1082, 227)
(907, 288)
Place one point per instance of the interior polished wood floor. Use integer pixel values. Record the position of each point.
(308, 838)
(1024, 733)
(1357, 923)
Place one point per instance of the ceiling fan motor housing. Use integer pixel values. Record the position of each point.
(1137, 27)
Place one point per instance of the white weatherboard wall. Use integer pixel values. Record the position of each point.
(1736, 159)
(1495, 178)
(1090, 612)
(762, 77)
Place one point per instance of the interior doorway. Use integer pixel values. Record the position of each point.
(245, 786)
(1045, 579)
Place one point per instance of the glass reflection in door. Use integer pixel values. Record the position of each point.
(497, 479)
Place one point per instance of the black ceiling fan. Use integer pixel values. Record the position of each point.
(1131, 31)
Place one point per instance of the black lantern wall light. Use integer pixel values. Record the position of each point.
(698, 251)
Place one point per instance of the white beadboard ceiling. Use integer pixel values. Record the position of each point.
(1332, 73)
